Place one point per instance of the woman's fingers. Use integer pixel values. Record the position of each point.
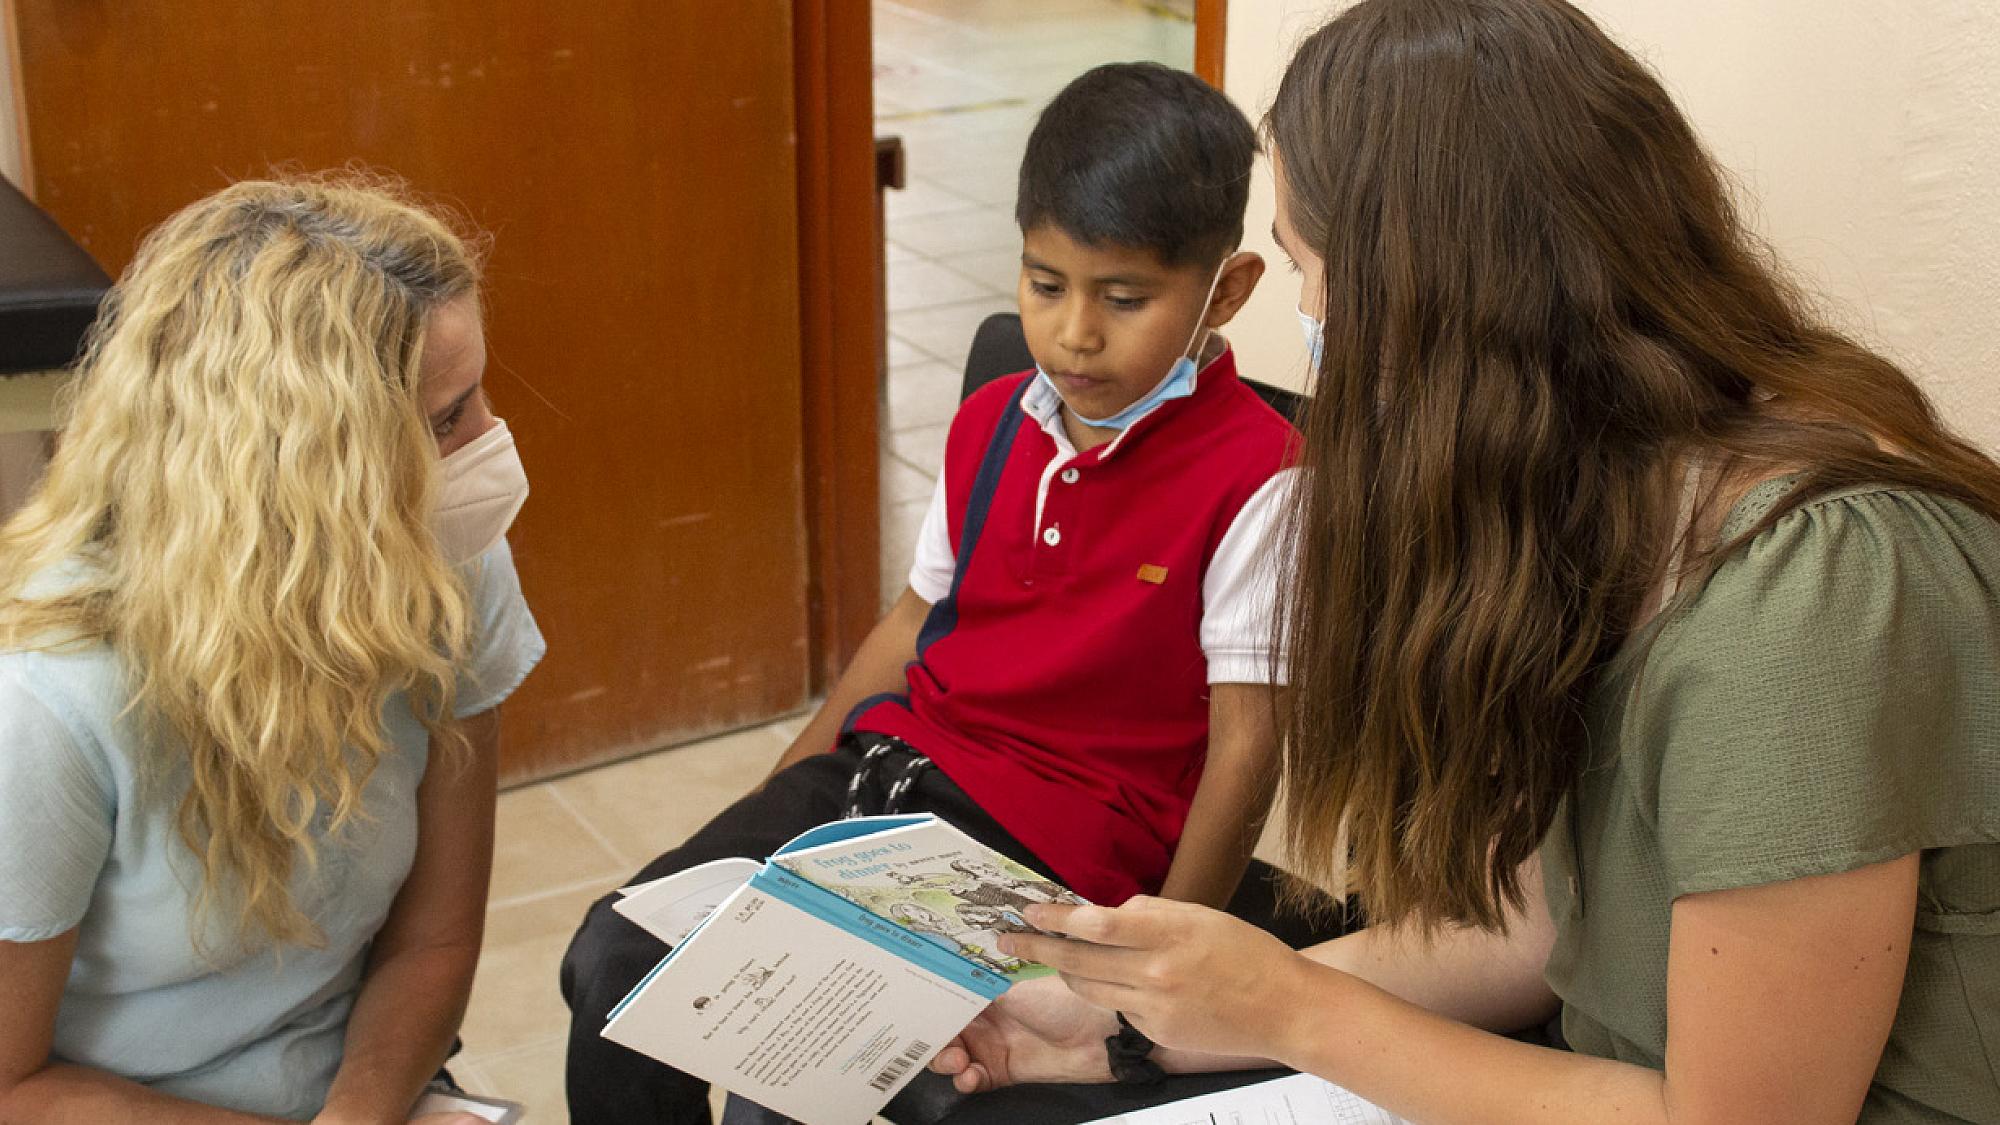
(1110, 996)
(1189, 976)
(1142, 922)
(1072, 957)
(1125, 947)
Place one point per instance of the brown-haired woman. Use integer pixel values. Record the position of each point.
(1644, 639)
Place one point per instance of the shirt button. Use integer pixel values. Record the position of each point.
(1052, 537)
(1069, 476)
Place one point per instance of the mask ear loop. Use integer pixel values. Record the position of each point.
(1201, 328)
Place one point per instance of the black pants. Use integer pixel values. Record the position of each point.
(609, 1084)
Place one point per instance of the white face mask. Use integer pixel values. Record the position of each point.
(483, 488)
(1180, 379)
(1315, 332)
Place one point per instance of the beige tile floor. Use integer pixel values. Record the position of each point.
(960, 81)
(561, 844)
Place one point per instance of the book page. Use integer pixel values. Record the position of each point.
(933, 880)
(1299, 1099)
(672, 908)
(496, 1110)
(799, 1016)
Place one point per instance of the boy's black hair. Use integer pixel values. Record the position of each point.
(1140, 155)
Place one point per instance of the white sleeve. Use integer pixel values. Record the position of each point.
(935, 566)
(506, 644)
(58, 811)
(1239, 594)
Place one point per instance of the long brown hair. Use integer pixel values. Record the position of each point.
(1540, 303)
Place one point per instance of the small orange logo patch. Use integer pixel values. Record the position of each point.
(1154, 573)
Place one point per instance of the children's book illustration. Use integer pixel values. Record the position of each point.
(954, 892)
(819, 982)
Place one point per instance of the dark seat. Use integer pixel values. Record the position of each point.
(49, 288)
(999, 348)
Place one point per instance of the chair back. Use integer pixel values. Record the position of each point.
(999, 347)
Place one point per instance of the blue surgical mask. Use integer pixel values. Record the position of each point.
(1179, 382)
(1315, 331)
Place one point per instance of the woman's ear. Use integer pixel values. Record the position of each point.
(1239, 277)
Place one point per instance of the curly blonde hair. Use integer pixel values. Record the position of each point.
(243, 491)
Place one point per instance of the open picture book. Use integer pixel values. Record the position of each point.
(818, 982)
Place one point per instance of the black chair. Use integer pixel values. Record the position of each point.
(999, 348)
(49, 289)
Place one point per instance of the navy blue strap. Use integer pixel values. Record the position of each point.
(944, 615)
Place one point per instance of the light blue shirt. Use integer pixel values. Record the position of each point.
(88, 842)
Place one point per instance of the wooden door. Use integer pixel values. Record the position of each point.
(634, 161)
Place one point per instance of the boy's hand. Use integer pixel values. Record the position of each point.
(1039, 1031)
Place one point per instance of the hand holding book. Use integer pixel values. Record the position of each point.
(1187, 976)
(817, 983)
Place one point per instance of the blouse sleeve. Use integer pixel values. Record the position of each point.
(57, 809)
(1831, 699)
(1239, 594)
(506, 642)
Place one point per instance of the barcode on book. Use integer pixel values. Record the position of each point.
(917, 1052)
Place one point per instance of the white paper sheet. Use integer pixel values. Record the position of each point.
(672, 907)
(496, 1110)
(1299, 1099)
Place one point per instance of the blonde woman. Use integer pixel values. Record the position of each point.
(255, 627)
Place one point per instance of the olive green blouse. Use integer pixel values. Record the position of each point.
(1830, 698)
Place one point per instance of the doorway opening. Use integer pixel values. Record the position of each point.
(960, 82)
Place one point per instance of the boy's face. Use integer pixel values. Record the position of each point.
(1108, 322)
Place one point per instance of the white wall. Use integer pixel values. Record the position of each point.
(1866, 137)
(1260, 39)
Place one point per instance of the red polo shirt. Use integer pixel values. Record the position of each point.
(1062, 681)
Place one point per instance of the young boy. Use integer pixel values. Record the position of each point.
(1080, 672)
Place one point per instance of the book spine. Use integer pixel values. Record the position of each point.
(850, 918)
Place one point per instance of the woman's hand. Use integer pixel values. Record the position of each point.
(1039, 1031)
(1186, 976)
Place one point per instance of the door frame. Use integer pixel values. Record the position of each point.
(1211, 37)
(843, 330)
(16, 99)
